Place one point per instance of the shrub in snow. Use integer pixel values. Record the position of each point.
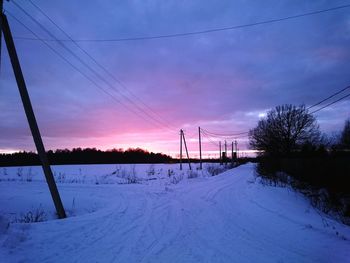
(159, 173)
(21, 176)
(20, 172)
(214, 169)
(124, 173)
(29, 175)
(37, 215)
(129, 176)
(151, 171)
(117, 171)
(170, 172)
(176, 178)
(192, 174)
(329, 202)
(103, 179)
(72, 211)
(132, 179)
(60, 178)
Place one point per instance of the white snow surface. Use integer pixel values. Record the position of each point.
(230, 217)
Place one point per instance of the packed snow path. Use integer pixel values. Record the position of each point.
(227, 218)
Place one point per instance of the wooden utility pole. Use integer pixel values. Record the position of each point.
(220, 152)
(181, 149)
(188, 157)
(200, 148)
(30, 114)
(232, 158)
(1, 11)
(236, 144)
(225, 153)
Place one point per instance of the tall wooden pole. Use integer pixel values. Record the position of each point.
(188, 157)
(232, 153)
(181, 149)
(200, 148)
(236, 144)
(220, 153)
(225, 153)
(1, 11)
(31, 117)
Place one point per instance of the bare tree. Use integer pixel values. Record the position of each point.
(284, 130)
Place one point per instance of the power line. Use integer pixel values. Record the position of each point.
(205, 31)
(103, 68)
(329, 104)
(88, 67)
(210, 140)
(72, 65)
(61, 56)
(233, 135)
(210, 135)
(192, 135)
(226, 135)
(331, 96)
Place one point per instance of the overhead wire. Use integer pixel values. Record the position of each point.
(331, 96)
(76, 68)
(210, 140)
(86, 65)
(237, 136)
(192, 135)
(329, 104)
(62, 57)
(70, 63)
(212, 134)
(205, 31)
(102, 67)
(233, 134)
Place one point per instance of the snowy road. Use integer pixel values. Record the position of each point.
(226, 218)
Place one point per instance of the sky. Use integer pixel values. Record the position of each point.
(223, 81)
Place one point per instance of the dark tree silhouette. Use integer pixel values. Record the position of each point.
(284, 130)
(85, 156)
(345, 136)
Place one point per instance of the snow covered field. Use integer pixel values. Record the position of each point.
(146, 213)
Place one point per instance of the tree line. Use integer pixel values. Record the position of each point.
(85, 156)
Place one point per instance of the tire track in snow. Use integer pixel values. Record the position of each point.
(164, 226)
